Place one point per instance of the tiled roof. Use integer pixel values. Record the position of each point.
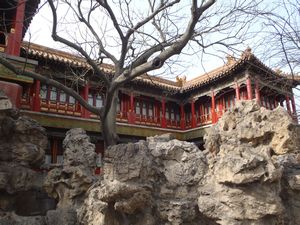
(158, 81)
(41, 52)
(30, 10)
(232, 65)
(45, 53)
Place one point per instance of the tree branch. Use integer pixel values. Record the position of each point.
(51, 82)
(58, 38)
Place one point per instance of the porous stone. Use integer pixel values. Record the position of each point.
(22, 150)
(150, 182)
(69, 183)
(244, 182)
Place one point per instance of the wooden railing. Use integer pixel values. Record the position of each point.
(75, 110)
(147, 120)
(204, 119)
(61, 108)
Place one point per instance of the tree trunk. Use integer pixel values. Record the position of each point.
(109, 125)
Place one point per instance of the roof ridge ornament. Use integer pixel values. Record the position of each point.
(230, 59)
(181, 80)
(247, 53)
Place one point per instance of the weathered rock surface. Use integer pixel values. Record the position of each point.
(13, 219)
(22, 145)
(69, 184)
(248, 175)
(244, 182)
(150, 182)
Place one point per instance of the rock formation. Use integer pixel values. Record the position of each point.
(248, 174)
(246, 149)
(22, 144)
(150, 182)
(69, 183)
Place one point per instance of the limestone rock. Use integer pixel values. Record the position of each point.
(79, 151)
(152, 182)
(290, 193)
(22, 145)
(5, 103)
(13, 219)
(243, 183)
(62, 216)
(69, 183)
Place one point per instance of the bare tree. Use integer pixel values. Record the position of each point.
(137, 38)
(281, 34)
(280, 38)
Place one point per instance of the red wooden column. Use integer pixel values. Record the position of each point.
(163, 111)
(16, 32)
(157, 113)
(182, 117)
(257, 93)
(288, 106)
(276, 102)
(193, 114)
(281, 103)
(220, 106)
(200, 114)
(54, 150)
(122, 105)
(237, 91)
(85, 95)
(249, 89)
(213, 108)
(36, 101)
(131, 113)
(293, 105)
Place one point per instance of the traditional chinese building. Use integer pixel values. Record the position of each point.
(147, 106)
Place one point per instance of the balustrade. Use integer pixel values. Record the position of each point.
(148, 111)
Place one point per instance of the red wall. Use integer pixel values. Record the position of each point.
(13, 92)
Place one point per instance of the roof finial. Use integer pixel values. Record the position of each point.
(230, 59)
(247, 53)
(181, 80)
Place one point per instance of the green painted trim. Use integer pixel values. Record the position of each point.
(141, 131)
(8, 74)
(67, 122)
(195, 133)
(16, 77)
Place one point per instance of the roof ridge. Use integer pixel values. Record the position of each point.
(26, 44)
(37, 50)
